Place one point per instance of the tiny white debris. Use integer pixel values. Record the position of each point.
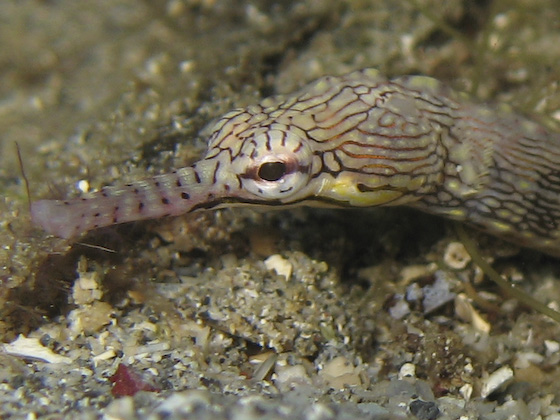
(120, 409)
(408, 370)
(291, 377)
(201, 334)
(414, 272)
(186, 66)
(86, 288)
(465, 311)
(501, 20)
(145, 326)
(265, 367)
(185, 402)
(525, 359)
(551, 347)
(90, 318)
(83, 185)
(280, 265)
(496, 380)
(257, 18)
(466, 391)
(339, 373)
(151, 348)
(260, 358)
(33, 349)
(318, 411)
(456, 256)
(106, 355)
(407, 43)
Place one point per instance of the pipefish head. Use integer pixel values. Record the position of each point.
(338, 143)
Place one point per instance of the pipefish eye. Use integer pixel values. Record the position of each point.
(272, 171)
(276, 176)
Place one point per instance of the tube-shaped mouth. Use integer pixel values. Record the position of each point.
(170, 194)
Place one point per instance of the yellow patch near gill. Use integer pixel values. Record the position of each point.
(344, 188)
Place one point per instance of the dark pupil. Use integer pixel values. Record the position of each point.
(272, 171)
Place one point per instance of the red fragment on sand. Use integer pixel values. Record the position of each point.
(128, 381)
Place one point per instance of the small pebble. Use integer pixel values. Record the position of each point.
(414, 292)
(424, 410)
(408, 370)
(400, 309)
(437, 295)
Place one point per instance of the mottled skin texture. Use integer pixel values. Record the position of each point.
(359, 140)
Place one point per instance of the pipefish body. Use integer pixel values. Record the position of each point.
(357, 140)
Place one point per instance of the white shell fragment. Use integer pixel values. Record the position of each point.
(456, 256)
(279, 265)
(465, 311)
(31, 348)
(496, 380)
